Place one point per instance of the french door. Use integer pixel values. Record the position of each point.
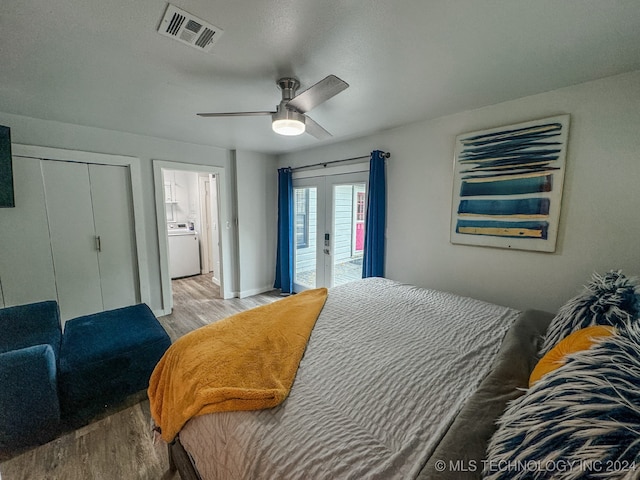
(329, 229)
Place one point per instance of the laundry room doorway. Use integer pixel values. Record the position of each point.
(189, 202)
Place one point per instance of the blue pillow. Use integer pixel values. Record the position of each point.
(579, 421)
(611, 299)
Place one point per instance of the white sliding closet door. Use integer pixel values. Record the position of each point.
(113, 217)
(73, 241)
(26, 267)
(89, 210)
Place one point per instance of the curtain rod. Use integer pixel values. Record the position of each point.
(324, 164)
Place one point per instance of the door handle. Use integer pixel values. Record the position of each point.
(98, 243)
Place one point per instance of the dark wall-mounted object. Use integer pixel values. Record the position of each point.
(6, 170)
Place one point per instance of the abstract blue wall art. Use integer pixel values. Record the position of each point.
(507, 186)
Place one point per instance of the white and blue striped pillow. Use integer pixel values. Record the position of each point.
(579, 421)
(610, 299)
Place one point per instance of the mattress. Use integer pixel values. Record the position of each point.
(386, 370)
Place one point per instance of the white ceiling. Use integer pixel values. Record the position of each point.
(102, 63)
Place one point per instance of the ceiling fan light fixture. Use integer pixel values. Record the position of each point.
(288, 122)
(288, 127)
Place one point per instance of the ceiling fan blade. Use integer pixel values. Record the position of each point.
(318, 93)
(234, 114)
(314, 129)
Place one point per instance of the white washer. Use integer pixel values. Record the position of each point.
(184, 253)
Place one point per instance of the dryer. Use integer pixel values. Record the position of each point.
(184, 252)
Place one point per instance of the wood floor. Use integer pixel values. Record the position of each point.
(197, 302)
(121, 446)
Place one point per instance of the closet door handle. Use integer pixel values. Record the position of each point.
(98, 243)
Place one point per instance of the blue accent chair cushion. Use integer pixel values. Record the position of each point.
(29, 408)
(106, 356)
(28, 325)
(30, 338)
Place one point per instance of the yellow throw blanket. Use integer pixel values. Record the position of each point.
(245, 362)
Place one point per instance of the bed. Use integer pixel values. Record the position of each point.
(394, 381)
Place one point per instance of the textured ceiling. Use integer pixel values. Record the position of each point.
(103, 64)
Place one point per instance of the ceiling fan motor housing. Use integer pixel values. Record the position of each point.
(288, 86)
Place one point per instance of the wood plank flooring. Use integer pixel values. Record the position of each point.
(121, 446)
(197, 302)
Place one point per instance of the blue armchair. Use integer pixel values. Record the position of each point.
(47, 377)
(30, 339)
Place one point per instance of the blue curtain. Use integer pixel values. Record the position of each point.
(284, 256)
(373, 263)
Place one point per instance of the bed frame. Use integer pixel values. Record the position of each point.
(180, 461)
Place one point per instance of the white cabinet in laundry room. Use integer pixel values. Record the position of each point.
(89, 210)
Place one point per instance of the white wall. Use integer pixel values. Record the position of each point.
(257, 218)
(599, 226)
(30, 131)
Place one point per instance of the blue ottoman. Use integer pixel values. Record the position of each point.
(106, 356)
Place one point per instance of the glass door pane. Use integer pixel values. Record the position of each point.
(305, 214)
(349, 201)
(329, 228)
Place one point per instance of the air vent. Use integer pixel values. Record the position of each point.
(188, 29)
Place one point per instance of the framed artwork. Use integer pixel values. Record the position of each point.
(507, 186)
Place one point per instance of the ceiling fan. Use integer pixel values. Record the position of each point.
(290, 117)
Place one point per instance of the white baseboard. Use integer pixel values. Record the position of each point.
(161, 313)
(254, 291)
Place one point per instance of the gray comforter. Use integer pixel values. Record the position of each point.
(387, 368)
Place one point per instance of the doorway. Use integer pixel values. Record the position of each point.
(210, 221)
(188, 216)
(329, 229)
